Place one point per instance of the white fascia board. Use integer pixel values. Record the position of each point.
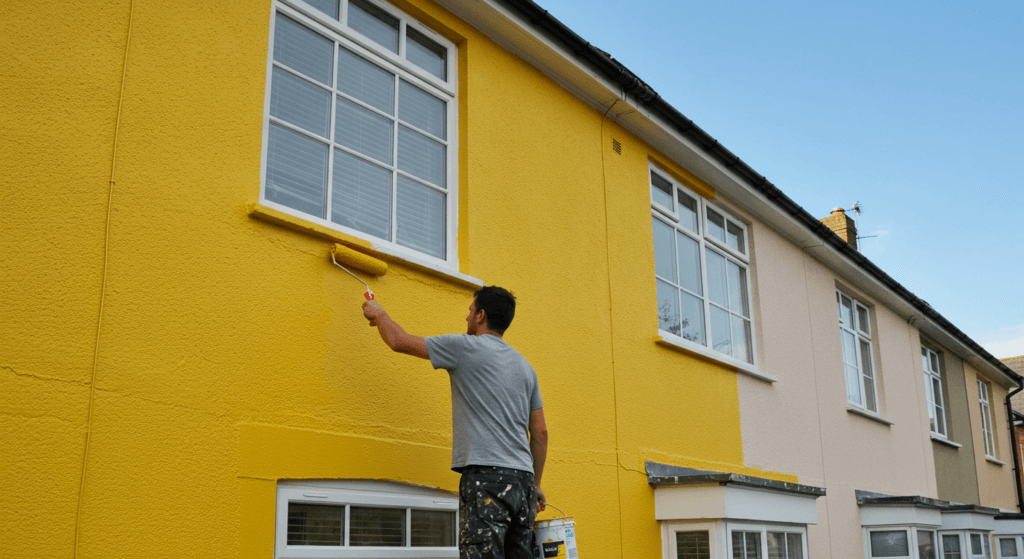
(968, 521)
(900, 515)
(733, 502)
(1015, 526)
(519, 37)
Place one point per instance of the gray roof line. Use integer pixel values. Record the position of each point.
(665, 474)
(632, 84)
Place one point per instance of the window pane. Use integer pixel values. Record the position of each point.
(1007, 547)
(863, 322)
(738, 290)
(433, 528)
(753, 545)
(849, 348)
(717, 287)
(299, 102)
(721, 330)
(869, 394)
(425, 53)
(846, 311)
(375, 23)
(867, 372)
(735, 238)
(939, 415)
(777, 545)
(925, 544)
(362, 195)
(795, 543)
(366, 82)
(853, 385)
(737, 545)
(668, 308)
(300, 48)
(421, 217)
(688, 251)
(693, 545)
(951, 546)
(716, 225)
(421, 109)
(975, 544)
(890, 544)
(364, 131)
(329, 7)
(421, 156)
(692, 315)
(687, 211)
(741, 348)
(315, 524)
(296, 171)
(935, 362)
(376, 527)
(924, 359)
(661, 190)
(664, 255)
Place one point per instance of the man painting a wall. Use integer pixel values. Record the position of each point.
(495, 402)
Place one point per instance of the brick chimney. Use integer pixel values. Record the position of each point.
(842, 225)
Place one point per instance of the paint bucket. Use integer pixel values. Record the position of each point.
(555, 538)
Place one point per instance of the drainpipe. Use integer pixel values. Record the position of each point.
(1013, 444)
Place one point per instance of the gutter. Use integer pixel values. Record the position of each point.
(1011, 418)
(615, 71)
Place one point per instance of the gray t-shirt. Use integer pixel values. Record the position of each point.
(494, 389)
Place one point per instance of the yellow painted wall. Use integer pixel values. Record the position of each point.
(230, 352)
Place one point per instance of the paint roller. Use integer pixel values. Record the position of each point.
(362, 262)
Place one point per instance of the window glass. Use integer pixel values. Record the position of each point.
(735, 238)
(366, 81)
(925, 544)
(303, 50)
(421, 217)
(718, 289)
(296, 170)
(375, 23)
(300, 102)
(951, 546)
(661, 190)
(858, 363)
(426, 54)
(431, 528)
(868, 375)
(693, 545)
(329, 7)
(421, 156)
(940, 420)
(376, 527)
(890, 543)
(315, 524)
(668, 308)
(692, 315)
(362, 195)
(1008, 547)
(364, 131)
(687, 211)
(863, 323)
(688, 251)
(746, 545)
(716, 225)
(422, 110)
(664, 254)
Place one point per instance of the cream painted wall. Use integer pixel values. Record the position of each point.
(801, 424)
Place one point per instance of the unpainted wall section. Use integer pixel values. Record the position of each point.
(231, 353)
(995, 478)
(801, 424)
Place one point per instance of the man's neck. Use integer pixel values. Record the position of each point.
(489, 333)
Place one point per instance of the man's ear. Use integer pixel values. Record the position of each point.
(481, 311)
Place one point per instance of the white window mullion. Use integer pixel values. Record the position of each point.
(348, 524)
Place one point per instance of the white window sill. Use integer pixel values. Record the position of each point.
(869, 414)
(995, 461)
(945, 441)
(295, 223)
(686, 346)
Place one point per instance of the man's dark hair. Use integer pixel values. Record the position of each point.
(499, 304)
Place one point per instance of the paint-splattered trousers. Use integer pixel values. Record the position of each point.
(496, 511)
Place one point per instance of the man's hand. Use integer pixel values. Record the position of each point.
(373, 311)
(542, 501)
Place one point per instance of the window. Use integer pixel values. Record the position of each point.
(701, 269)
(855, 333)
(979, 546)
(768, 542)
(889, 543)
(926, 544)
(1008, 547)
(986, 420)
(933, 391)
(353, 519)
(693, 545)
(966, 545)
(951, 546)
(359, 128)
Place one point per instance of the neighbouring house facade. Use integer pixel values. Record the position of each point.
(185, 372)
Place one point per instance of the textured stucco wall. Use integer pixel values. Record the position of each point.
(232, 354)
(801, 425)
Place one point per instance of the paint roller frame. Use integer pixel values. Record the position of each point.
(361, 262)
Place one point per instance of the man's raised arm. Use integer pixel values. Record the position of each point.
(394, 335)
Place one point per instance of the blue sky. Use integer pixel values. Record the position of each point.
(913, 108)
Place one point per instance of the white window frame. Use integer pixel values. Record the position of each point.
(998, 552)
(669, 530)
(911, 532)
(763, 529)
(365, 493)
(966, 549)
(986, 420)
(933, 376)
(862, 333)
(670, 217)
(343, 36)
